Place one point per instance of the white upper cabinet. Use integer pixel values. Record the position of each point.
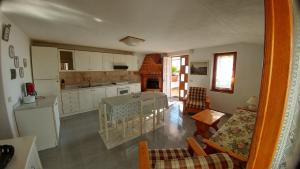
(85, 61)
(108, 61)
(95, 61)
(78, 60)
(132, 62)
(82, 60)
(44, 62)
(120, 59)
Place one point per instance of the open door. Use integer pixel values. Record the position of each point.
(183, 76)
(167, 73)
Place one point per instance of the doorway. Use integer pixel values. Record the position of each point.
(179, 77)
(175, 78)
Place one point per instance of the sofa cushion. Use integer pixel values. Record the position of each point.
(197, 93)
(167, 154)
(215, 161)
(195, 104)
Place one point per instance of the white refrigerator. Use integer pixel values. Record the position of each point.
(45, 70)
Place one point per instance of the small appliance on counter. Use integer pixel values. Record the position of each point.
(6, 154)
(29, 93)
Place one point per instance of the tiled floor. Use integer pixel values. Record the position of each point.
(81, 147)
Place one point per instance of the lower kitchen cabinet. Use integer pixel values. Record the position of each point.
(87, 99)
(97, 95)
(70, 101)
(40, 119)
(111, 91)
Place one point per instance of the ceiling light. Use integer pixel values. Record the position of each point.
(132, 41)
(98, 19)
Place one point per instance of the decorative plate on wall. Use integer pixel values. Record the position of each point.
(21, 72)
(16, 61)
(11, 51)
(6, 31)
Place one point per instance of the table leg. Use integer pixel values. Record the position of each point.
(215, 125)
(124, 128)
(105, 121)
(202, 130)
(100, 118)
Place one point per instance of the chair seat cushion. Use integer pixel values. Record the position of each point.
(195, 104)
(167, 154)
(213, 161)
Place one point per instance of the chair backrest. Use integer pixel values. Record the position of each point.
(148, 105)
(197, 93)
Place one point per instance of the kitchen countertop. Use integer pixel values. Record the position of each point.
(22, 147)
(97, 85)
(47, 101)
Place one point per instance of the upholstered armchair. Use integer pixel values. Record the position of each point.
(191, 157)
(196, 100)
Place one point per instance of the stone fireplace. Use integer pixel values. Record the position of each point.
(151, 73)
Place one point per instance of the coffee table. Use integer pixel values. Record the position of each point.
(206, 119)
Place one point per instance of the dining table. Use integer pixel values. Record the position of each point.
(119, 108)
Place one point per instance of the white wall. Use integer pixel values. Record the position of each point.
(248, 74)
(12, 89)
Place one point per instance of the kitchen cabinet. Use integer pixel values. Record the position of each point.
(40, 119)
(44, 62)
(97, 95)
(132, 62)
(120, 59)
(135, 88)
(111, 91)
(70, 101)
(25, 155)
(85, 100)
(82, 60)
(88, 61)
(108, 62)
(95, 61)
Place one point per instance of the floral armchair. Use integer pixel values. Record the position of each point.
(191, 157)
(196, 100)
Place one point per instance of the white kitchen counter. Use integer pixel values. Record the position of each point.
(77, 87)
(24, 152)
(39, 103)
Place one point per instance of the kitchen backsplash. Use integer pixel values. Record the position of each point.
(77, 78)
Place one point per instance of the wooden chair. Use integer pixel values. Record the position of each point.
(191, 157)
(196, 100)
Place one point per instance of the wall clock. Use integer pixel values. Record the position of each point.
(11, 51)
(16, 61)
(21, 72)
(6, 31)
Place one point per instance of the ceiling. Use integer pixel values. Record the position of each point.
(166, 25)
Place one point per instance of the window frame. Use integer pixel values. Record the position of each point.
(224, 90)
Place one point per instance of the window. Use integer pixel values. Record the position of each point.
(224, 72)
